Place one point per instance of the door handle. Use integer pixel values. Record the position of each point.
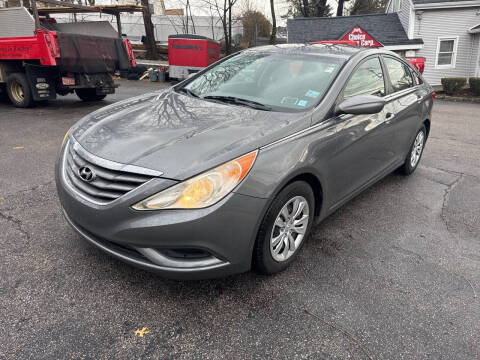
(388, 118)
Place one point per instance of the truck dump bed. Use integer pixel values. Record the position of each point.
(91, 47)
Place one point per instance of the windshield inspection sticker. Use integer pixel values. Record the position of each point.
(289, 100)
(312, 93)
(302, 103)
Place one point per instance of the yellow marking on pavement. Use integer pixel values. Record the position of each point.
(141, 332)
(18, 148)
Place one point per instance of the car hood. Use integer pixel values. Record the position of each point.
(180, 135)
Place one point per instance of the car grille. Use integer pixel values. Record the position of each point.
(107, 184)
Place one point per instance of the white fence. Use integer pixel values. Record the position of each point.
(132, 25)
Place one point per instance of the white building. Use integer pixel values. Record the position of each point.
(164, 25)
(450, 30)
(133, 27)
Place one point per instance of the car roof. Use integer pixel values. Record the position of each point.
(339, 50)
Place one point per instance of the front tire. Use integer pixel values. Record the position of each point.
(415, 152)
(284, 228)
(18, 90)
(89, 95)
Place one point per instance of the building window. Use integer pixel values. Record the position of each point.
(446, 52)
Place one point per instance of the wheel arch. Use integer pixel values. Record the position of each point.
(315, 185)
(426, 122)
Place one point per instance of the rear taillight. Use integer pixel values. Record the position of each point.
(434, 95)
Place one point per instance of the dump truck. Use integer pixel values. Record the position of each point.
(41, 58)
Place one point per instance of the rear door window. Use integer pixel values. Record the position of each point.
(399, 73)
(367, 79)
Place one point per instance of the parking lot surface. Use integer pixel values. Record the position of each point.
(394, 274)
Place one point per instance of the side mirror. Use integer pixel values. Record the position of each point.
(361, 104)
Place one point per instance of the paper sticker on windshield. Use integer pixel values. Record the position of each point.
(302, 103)
(289, 100)
(312, 94)
(329, 69)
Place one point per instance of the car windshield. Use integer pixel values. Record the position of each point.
(267, 81)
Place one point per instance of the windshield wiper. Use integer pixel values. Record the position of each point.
(239, 101)
(188, 92)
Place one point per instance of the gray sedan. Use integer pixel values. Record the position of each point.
(230, 169)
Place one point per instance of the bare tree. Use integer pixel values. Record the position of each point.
(308, 8)
(340, 7)
(223, 8)
(273, 34)
(185, 18)
(359, 7)
(150, 42)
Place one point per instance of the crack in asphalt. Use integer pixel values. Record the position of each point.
(18, 224)
(33, 188)
(425, 259)
(446, 196)
(451, 171)
(346, 333)
(452, 139)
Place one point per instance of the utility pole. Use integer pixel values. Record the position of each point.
(149, 31)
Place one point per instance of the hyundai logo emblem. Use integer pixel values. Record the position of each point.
(86, 174)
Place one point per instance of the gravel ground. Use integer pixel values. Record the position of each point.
(394, 274)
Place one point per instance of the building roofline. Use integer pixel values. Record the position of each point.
(474, 29)
(446, 4)
(337, 17)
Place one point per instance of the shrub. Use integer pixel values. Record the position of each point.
(474, 83)
(452, 85)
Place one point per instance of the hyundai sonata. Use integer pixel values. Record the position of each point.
(231, 168)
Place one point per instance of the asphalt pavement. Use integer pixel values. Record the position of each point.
(394, 274)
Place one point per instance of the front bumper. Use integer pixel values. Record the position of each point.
(225, 232)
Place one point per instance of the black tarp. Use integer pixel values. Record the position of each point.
(91, 47)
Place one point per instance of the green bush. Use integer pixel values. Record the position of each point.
(452, 85)
(474, 83)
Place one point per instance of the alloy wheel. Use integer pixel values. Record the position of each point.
(289, 228)
(417, 149)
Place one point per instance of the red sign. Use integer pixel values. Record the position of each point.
(361, 37)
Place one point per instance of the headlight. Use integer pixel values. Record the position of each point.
(202, 190)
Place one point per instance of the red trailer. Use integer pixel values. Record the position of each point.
(40, 58)
(190, 53)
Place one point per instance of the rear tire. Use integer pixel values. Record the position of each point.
(89, 95)
(415, 152)
(18, 90)
(278, 241)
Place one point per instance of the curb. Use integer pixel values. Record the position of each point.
(457, 99)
